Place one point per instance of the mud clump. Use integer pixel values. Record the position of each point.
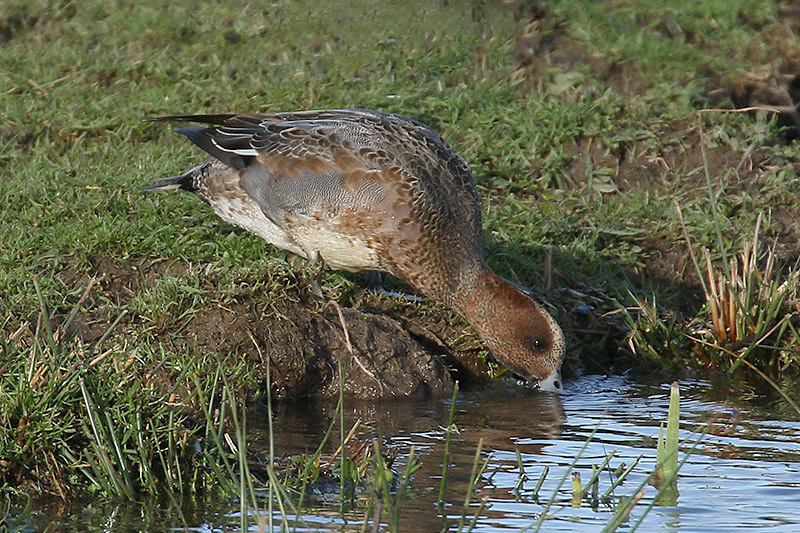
(385, 349)
(304, 349)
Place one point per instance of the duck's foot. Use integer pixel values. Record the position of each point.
(316, 288)
(375, 285)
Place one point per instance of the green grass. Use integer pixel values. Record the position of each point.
(665, 477)
(84, 419)
(580, 125)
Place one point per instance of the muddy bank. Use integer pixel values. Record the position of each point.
(386, 347)
(304, 349)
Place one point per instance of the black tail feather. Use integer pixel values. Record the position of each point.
(169, 183)
(185, 181)
(207, 137)
(217, 120)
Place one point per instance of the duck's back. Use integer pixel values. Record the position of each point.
(360, 189)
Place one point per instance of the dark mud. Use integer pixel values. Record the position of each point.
(305, 347)
(387, 347)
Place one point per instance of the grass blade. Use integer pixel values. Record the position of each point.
(446, 456)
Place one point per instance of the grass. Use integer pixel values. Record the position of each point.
(586, 124)
(566, 161)
(78, 418)
(665, 478)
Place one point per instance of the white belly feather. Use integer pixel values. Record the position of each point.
(310, 241)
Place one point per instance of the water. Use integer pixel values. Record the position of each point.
(742, 475)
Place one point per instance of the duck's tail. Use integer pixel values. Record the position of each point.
(186, 181)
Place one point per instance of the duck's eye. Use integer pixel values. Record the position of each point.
(539, 344)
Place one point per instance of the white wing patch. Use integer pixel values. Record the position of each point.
(250, 152)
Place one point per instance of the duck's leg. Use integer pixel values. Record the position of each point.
(318, 262)
(375, 285)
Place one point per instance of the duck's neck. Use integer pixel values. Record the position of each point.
(488, 298)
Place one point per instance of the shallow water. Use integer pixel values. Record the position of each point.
(744, 475)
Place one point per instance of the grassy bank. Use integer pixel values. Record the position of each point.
(582, 122)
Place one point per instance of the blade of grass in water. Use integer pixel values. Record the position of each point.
(596, 473)
(270, 467)
(521, 467)
(446, 457)
(623, 475)
(577, 489)
(340, 410)
(595, 485)
(658, 494)
(275, 489)
(673, 426)
(538, 524)
(623, 511)
(473, 481)
(539, 483)
(667, 451)
(396, 503)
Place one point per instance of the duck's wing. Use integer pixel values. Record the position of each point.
(316, 161)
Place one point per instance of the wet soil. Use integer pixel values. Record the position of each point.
(386, 346)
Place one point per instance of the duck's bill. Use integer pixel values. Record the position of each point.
(551, 383)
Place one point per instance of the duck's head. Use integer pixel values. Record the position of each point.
(521, 335)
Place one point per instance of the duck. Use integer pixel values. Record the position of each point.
(362, 190)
